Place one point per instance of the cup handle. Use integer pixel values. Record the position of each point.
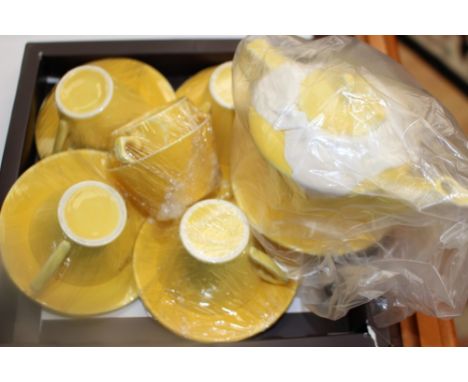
(124, 155)
(50, 267)
(266, 268)
(61, 136)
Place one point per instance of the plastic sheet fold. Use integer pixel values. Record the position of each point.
(352, 176)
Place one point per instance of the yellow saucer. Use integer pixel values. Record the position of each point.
(199, 301)
(196, 89)
(141, 78)
(91, 280)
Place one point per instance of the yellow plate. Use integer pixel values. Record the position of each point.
(141, 78)
(203, 302)
(91, 281)
(196, 89)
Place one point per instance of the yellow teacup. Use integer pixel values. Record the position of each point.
(90, 214)
(222, 114)
(166, 159)
(91, 105)
(216, 231)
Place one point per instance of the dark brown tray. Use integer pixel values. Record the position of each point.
(20, 319)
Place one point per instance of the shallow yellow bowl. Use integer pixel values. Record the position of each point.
(140, 78)
(91, 280)
(199, 301)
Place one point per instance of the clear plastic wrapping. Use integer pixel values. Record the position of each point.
(166, 159)
(352, 176)
(204, 302)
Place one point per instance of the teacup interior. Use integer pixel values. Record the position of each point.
(84, 91)
(92, 213)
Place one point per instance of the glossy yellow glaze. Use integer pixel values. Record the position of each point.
(350, 107)
(259, 56)
(222, 81)
(389, 190)
(142, 80)
(282, 211)
(347, 103)
(322, 94)
(214, 229)
(181, 166)
(222, 115)
(269, 141)
(407, 183)
(84, 91)
(199, 301)
(91, 280)
(92, 213)
(196, 89)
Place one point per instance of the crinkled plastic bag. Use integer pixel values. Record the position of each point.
(352, 176)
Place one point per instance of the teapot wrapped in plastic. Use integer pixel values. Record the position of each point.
(352, 176)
